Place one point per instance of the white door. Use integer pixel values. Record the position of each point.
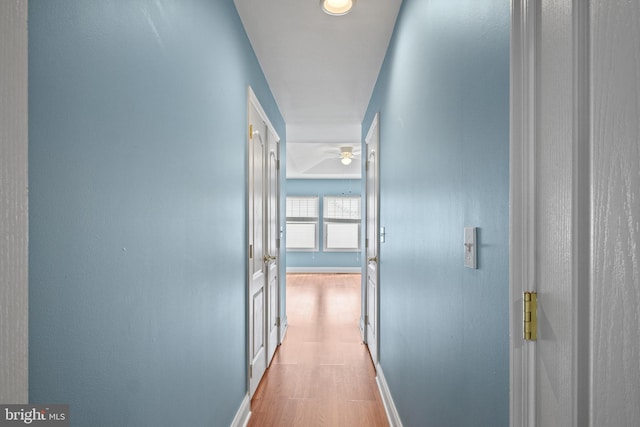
(575, 210)
(372, 241)
(256, 231)
(263, 231)
(272, 243)
(614, 275)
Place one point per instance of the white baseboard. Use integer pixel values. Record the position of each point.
(244, 413)
(324, 270)
(387, 400)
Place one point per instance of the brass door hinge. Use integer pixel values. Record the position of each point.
(250, 251)
(250, 371)
(530, 316)
(278, 322)
(250, 131)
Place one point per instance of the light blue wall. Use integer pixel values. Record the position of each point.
(321, 188)
(137, 189)
(443, 97)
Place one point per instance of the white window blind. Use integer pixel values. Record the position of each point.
(341, 223)
(301, 235)
(342, 236)
(302, 223)
(342, 207)
(302, 207)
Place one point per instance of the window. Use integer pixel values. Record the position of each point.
(302, 223)
(341, 223)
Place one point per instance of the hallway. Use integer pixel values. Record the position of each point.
(322, 374)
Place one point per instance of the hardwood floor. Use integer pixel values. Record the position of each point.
(322, 374)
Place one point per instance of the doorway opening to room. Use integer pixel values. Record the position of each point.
(332, 217)
(329, 326)
(322, 373)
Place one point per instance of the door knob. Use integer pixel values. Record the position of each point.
(373, 259)
(268, 258)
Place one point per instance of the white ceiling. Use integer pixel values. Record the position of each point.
(321, 161)
(321, 69)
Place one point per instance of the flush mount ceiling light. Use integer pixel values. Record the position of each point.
(346, 155)
(336, 7)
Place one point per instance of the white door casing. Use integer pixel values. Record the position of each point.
(272, 255)
(372, 245)
(547, 206)
(257, 297)
(263, 232)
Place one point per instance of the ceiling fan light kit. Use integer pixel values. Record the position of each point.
(336, 7)
(346, 155)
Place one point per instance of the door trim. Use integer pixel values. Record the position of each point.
(374, 129)
(524, 174)
(522, 169)
(581, 220)
(253, 99)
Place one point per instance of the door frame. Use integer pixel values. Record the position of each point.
(273, 237)
(374, 129)
(252, 101)
(524, 174)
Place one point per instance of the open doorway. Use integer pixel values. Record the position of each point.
(322, 373)
(325, 231)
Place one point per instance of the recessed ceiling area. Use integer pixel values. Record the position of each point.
(313, 160)
(321, 68)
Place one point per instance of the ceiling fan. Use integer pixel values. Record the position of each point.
(348, 154)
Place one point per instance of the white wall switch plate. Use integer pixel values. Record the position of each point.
(470, 247)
